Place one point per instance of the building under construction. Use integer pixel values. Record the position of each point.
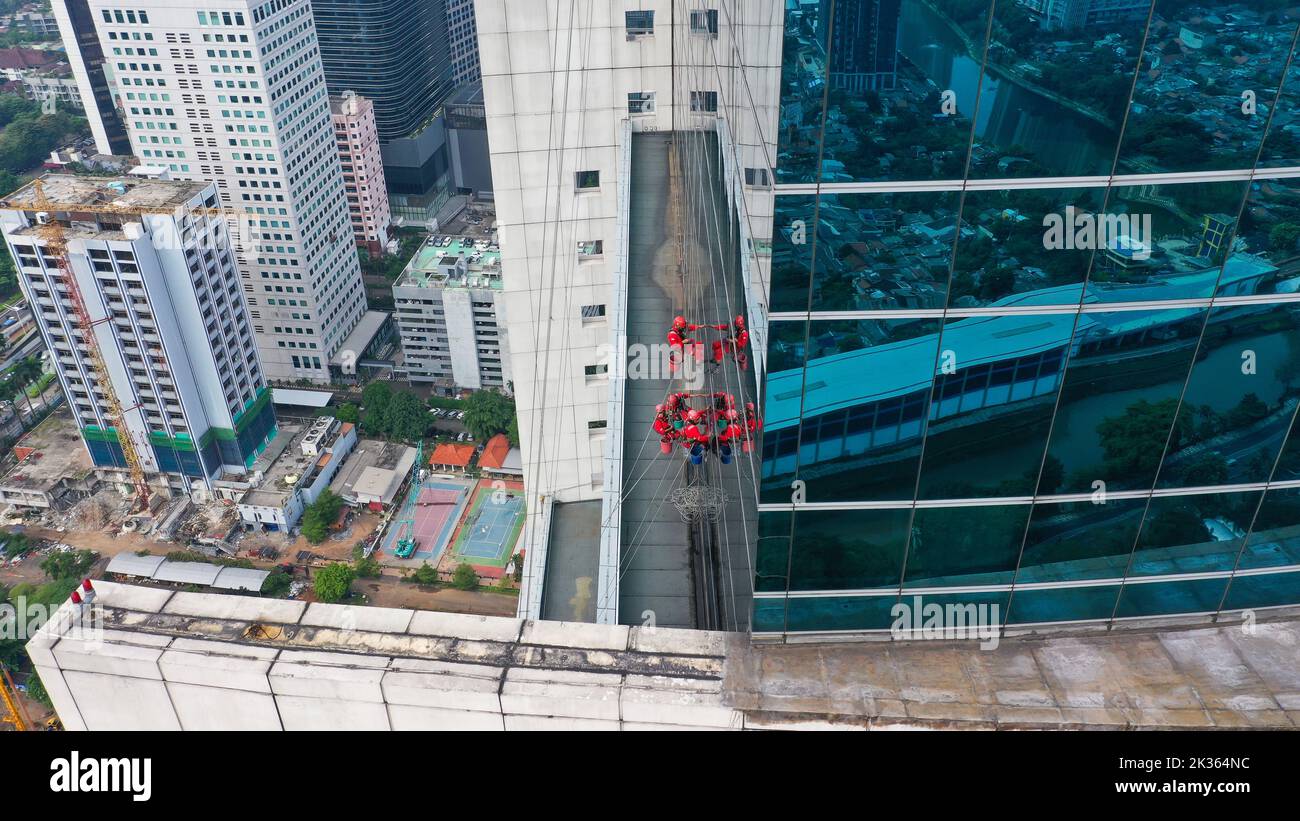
(134, 286)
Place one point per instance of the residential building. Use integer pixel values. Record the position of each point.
(232, 92)
(158, 279)
(451, 316)
(76, 26)
(363, 170)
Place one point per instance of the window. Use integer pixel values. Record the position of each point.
(587, 180)
(593, 312)
(758, 178)
(639, 23)
(596, 370)
(704, 101)
(641, 102)
(591, 248)
(705, 21)
(597, 424)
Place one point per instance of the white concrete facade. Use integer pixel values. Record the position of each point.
(232, 91)
(171, 324)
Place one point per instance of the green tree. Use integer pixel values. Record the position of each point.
(319, 515)
(348, 412)
(1133, 443)
(367, 568)
(464, 577)
(276, 584)
(487, 413)
(333, 582)
(15, 544)
(1283, 236)
(407, 417)
(425, 574)
(376, 398)
(72, 564)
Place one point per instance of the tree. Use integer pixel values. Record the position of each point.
(348, 412)
(15, 544)
(425, 574)
(367, 568)
(277, 583)
(72, 564)
(487, 413)
(1283, 236)
(406, 418)
(319, 515)
(376, 398)
(333, 582)
(1133, 443)
(464, 577)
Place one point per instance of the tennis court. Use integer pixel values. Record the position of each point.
(488, 536)
(434, 511)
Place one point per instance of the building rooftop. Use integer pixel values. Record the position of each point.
(125, 191)
(495, 452)
(449, 453)
(373, 465)
(431, 265)
(48, 454)
(284, 466)
(409, 669)
(360, 338)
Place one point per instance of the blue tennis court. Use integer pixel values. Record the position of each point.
(488, 534)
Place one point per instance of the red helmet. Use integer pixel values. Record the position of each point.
(679, 322)
(749, 406)
(659, 408)
(740, 322)
(731, 414)
(694, 415)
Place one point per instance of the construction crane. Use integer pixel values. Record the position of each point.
(15, 713)
(406, 544)
(52, 232)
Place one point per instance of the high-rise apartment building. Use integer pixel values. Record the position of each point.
(157, 274)
(233, 92)
(1032, 340)
(363, 169)
(396, 53)
(86, 58)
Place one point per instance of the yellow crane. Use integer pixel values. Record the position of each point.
(52, 232)
(15, 713)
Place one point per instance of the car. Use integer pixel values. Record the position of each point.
(460, 414)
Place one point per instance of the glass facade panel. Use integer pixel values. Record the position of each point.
(997, 381)
(1205, 86)
(1167, 598)
(874, 252)
(1202, 533)
(848, 549)
(849, 424)
(1056, 79)
(772, 561)
(1274, 539)
(1239, 400)
(803, 91)
(1120, 398)
(954, 546)
(1075, 541)
(1282, 144)
(840, 613)
(1266, 590)
(1063, 604)
(1017, 247)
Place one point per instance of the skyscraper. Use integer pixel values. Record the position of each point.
(1009, 364)
(156, 273)
(864, 43)
(463, 41)
(363, 170)
(233, 93)
(80, 40)
(397, 54)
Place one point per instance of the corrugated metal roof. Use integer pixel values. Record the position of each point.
(188, 572)
(307, 399)
(129, 564)
(240, 578)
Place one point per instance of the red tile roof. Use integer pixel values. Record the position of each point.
(451, 454)
(20, 58)
(494, 452)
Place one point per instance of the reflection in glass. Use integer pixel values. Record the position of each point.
(1056, 80)
(953, 546)
(1265, 590)
(773, 551)
(1008, 253)
(874, 252)
(1168, 598)
(1205, 85)
(1193, 534)
(1282, 145)
(1080, 540)
(851, 424)
(803, 85)
(841, 613)
(1120, 396)
(1239, 400)
(769, 615)
(996, 386)
(1274, 539)
(848, 549)
(1062, 604)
